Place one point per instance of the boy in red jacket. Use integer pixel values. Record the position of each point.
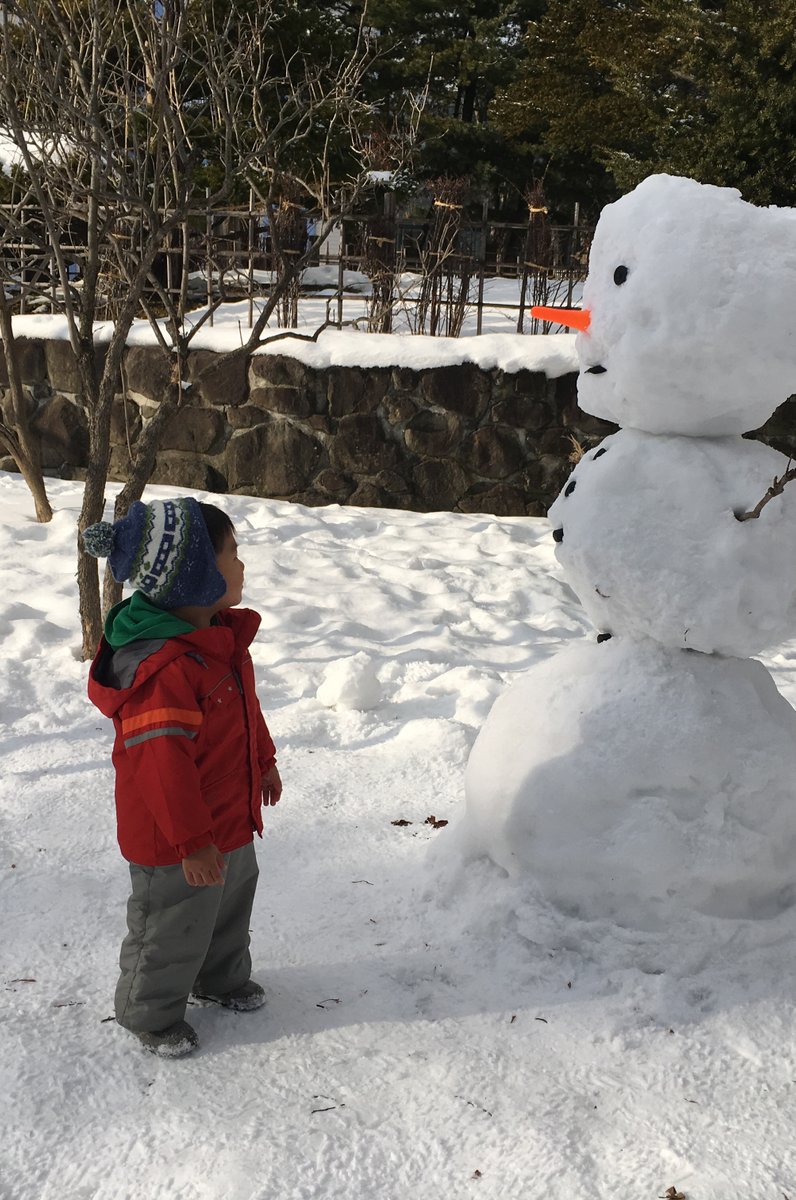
(194, 763)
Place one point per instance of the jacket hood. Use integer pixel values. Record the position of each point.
(116, 673)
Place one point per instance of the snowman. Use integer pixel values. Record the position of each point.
(652, 769)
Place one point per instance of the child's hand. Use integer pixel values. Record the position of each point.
(204, 868)
(272, 786)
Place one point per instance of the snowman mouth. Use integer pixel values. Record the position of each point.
(596, 370)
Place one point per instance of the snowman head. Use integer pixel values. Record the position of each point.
(691, 299)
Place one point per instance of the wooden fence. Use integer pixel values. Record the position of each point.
(432, 270)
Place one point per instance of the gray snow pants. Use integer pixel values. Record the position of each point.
(182, 939)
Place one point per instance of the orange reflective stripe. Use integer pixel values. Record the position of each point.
(187, 716)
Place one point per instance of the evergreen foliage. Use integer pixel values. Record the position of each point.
(459, 55)
(588, 95)
(610, 92)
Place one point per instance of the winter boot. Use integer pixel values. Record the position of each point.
(175, 1041)
(246, 998)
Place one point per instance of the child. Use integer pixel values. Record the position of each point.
(194, 762)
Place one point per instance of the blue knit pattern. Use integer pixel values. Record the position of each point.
(164, 554)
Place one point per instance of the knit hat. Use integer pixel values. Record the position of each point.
(165, 551)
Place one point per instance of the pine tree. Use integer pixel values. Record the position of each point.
(461, 54)
(734, 123)
(611, 92)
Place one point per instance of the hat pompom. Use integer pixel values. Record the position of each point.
(99, 539)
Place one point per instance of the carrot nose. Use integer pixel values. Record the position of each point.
(575, 318)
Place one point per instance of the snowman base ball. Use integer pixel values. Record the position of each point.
(631, 781)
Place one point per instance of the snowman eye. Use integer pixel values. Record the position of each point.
(620, 275)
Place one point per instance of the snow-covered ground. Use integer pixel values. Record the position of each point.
(433, 1028)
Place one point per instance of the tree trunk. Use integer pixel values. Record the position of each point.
(32, 474)
(111, 589)
(16, 434)
(141, 470)
(99, 431)
(25, 454)
(88, 589)
(469, 97)
(87, 568)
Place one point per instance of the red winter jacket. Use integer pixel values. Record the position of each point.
(191, 743)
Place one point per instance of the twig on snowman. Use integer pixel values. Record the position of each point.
(776, 489)
(577, 451)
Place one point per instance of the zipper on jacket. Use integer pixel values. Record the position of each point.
(229, 675)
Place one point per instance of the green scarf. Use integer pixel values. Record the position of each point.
(137, 617)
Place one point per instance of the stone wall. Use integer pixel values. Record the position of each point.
(453, 437)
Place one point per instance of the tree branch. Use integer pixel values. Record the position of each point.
(776, 489)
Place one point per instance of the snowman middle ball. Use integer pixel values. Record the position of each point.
(647, 534)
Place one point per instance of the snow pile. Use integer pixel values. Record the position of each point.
(351, 683)
(691, 292)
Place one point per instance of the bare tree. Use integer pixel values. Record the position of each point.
(288, 225)
(446, 269)
(380, 259)
(15, 427)
(124, 114)
(538, 253)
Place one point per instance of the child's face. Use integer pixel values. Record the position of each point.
(231, 568)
